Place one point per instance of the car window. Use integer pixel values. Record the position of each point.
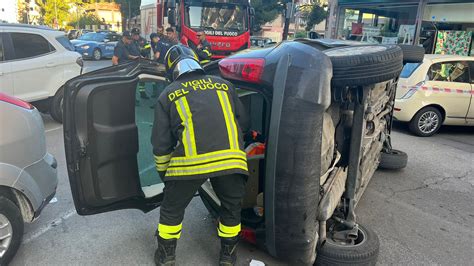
(29, 45)
(64, 41)
(408, 69)
(455, 71)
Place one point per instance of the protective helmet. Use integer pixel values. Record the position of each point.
(135, 31)
(180, 60)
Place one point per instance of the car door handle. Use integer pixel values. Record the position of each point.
(50, 64)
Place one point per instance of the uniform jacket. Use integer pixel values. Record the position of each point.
(196, 132)
(204, 53)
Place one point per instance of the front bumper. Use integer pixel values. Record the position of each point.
(86, 53)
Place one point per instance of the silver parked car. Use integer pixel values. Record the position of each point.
(28, 175)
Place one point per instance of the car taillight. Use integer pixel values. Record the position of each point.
(80, 62)
(244, 69)
(15, 101)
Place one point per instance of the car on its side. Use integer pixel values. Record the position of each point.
(436, 92)
(324, 110)
(94, 45)
(28, 174)
(35, 62)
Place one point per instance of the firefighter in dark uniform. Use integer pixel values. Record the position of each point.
(203, 49)
(197, 136)
(138, 48)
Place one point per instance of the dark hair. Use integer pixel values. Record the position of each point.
(169, 29)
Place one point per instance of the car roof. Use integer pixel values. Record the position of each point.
(442, 57)
(31, 28)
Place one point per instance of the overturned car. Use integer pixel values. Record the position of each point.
(323, 110)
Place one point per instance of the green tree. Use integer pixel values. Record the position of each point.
(56, 9)
(317, 15)
(265, 11)
(86, 19)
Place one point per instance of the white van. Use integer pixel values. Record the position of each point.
(35, 63)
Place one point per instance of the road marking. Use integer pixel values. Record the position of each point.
(53, 129)
(49, 226)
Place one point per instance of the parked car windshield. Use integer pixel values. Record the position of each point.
(92, 36)
(65, 43)
(408, 69)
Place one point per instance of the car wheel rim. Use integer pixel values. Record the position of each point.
(6, 234)
(361, 238)
(428, 122)
(97, 54)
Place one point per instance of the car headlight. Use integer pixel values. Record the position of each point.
(85, 47)
(409, 93)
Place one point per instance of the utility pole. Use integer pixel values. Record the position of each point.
(288, 13)
(56, 15)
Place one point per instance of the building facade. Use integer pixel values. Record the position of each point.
(9, 11)
(441, 27)
(109, 13)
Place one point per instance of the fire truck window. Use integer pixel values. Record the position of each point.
(225, 17)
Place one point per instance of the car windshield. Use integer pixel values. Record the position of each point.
(92, 36)
(217, 17)
(408, 69)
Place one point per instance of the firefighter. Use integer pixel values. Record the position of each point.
(197, 136)
(121, 53)
(203, 49)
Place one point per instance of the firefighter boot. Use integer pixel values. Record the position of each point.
(165, 254)
(228, 255)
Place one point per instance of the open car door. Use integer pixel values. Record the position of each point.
(107, 132)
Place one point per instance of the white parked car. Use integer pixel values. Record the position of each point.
(34, 65)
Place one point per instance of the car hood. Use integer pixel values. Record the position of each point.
(81, 43)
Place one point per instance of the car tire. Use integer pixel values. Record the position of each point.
(10, 218)
(412, 53)
(363, 253)
(426, 122)
(56, 107)
(365, 64)
(97, 54)
(393, 160)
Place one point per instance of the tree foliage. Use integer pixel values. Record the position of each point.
(317, 15)
(56, 9)
(86, 19)
(124, 7)
(265, 11)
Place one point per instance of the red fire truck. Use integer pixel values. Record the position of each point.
(226, 23)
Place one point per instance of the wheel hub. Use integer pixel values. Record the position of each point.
(428, 122)
(6, 234)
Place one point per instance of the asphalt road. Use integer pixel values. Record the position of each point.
(423, 215)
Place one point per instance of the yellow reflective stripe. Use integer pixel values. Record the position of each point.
(162, 162)
(176, 161)
(228, 231)
(229, 120)
(207, 168)
(207, 52)
(163, 158)
(204, 61)
(169, 231)
(184, 112)
(161, 167)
